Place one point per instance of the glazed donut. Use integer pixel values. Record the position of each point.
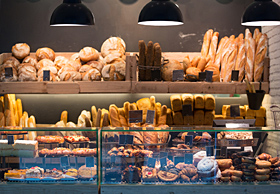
(11, 62)
(60, 61)
(263, 171)
(226, 173)
(45, 53)
(235, 179)
(30, 60)
(248, 172)
(251, 160)
(20, 50)
(237, 173)
(263, 164)
(225, 179)
(113, 45)
(248, 166)
(262, 177)
(248, 178)
(224, 163)
(76, 64)
(88, 54)
(44, 63)
(96, 64)
(264, 156)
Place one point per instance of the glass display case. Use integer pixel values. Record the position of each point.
(49, 155)
(198, 155)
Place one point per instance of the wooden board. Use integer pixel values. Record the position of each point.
(218, 88)
(185, 87)
(149, 87)
(240, 88)
(105, 87)
(63, 88)
(23, 87)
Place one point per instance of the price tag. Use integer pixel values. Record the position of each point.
(126, 139)
(178, 159)
(209, 150)
(189, 140)
(178, 75)
(121, 139)
(188, 158)
(150, 117)
(135, 116)
(163, 154)
(224, 151)
(234, 110)
(237, 125)
(248, 149)
(156, 75)
(8, 72)
(113, 159)
(151, 162)
(64, 161)
(234, 75)
(89, 162)
(187, 110)
(163, 162)
(46, 75)
(202, 76)
(209, 76)
(10, 139)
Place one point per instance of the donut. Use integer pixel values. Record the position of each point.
(248, 172)
(249, 178)
(225, 179)
(207, 167)
(251, 160)
(262, 177)
(20, 50)
(264, 156)
(276, 164)
(224, 163)
(237, 173)
(274, 160)
(263, 171)
(88, 54)
(243, 153)
(226, 173)
(275, 177)
(248, 166)
(45, 53)
(235, 179)
(236, 161)
(263, 164)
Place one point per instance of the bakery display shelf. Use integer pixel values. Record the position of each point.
(237, 142)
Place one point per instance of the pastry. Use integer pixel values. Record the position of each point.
(20, 50)
(168, 175)
(131, 174)
(45, 53)
(88, 54)
(167, 69)
(263, 164)
(207, 167)
(84, 152)
(34, 172)
(225, 179)
(149, 174)
(76, 138)
(226, 173)
(54, 173)
(50, 139)
(237, 173)
(87, 172)
(71, 172)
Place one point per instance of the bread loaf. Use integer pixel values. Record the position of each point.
(169, 117)
(225, 54)
(64, 116)
(250, 112)
(158, 111)
(186, 63)
(193, 71)
(213, 46)
(218, 117)
(260, 122)
(198, 117)
(20, 50)
(88, 54)
(261, 112)
(206, 43)
(163, 115)
(45, 53)
(178, 118)
(105, 120)
(157, 55)
(259, 58)
(122, 117)
(176, 102)
(198, 101)
(126, 107)
(93, 116)
(209, 117)
(114, 116)
(75, 64)
(113, 45)
(167, 69)
(149, 59)
(202, 63)
(187, 99)
(229, 61)
(91, 75)
(256, 33)
(59, 62)
(98, 118)
(188, 120)
(250, 57)
(218, 56)
(209, 102)
(241, 59)
(142, 59)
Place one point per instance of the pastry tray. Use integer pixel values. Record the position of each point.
(237, 142)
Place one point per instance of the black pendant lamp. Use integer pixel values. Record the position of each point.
(72, 13)
(262, 13)
(161, 13)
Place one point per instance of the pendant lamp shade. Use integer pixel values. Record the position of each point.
(261, 13)
(160, 13)
(72, 13)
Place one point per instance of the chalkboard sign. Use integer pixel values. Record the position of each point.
(135, 116)
(150, 117)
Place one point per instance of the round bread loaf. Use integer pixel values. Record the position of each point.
(91, 75)
(45, 53)
(44, 63)
(31, 60)
(113, 45)
(60, 61)
(88, 54)
(27, 72)
(11, 62)
(167, 69)
(20, 50)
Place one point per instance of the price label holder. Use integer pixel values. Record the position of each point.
(135, 116)
(64, 161)
(209, 76)
(150, 117)
(151, 162)
(187, 110)
(126, 139)
(156, 75)
(237, 125)
(89, 162)
(188, 158)
(163, 162)
(234, 75)
(10, 139)
(202, 76)
(46, 75)
(178, 75)
(234, 110)
(248, 149)
(113, 159)
(209, 150)
(8, 72)
(217, 152)
(178, 159)
(122, 139)
(189, 140)
(163, 154)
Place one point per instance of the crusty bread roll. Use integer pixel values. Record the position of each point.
(31, 60)
(250, 57)
(75, 57)
(91, 75)
(66, 68)
(44, 63)
(11, 62)
(114, 45)
(45, 53)
(209, 102)
(60, 61)
(20, 50)
(27, 72)
(176, 102)
(88, 54)
(96, 65)
(53, 73)
(167, 69)
(259, 58)
(85, 68)
(195, 61)
(186, 63)
(198, 101)
(206, 43)
(202, 63)
(213, 46)
(76, 64)
(70, 76)
(193, 71)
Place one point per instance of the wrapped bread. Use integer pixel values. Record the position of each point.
(169, 117)
(198, 117)
(209, 117)
(260, 122)
(226, 110)
(209, 102)
(176, 102)
(198, 101)
(187, 99)
(114, 116)
(178, 118)
(167, 69)
(261, 112)
(45, 53)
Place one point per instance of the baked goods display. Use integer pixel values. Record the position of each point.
(20, 148)
(76, 138)
(131, 174)
(84, 152)
(50, 139)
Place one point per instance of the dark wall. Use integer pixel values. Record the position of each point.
(28, 21)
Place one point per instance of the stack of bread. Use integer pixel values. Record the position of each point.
(245, 113)
(275, 168)
(87, 65)
(248, 167)
(149, 56)
(203, 108)
(263, 167)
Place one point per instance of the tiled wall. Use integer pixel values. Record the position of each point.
(272, 144)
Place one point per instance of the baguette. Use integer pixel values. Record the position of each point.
(202, 63)
(98, 118)
(206, 43)
(122, 117)
(64, 117)
(157, 55)
(259, 59)
(126, 107)
(32, 123)
(25, 119)
(256, 33)
(241, 59)
(93, 115)
(105, 120)
(149, 59)
(225, 54)
(114, 116)
(153, 103)
(163, 115)
(231, 59)
(213, 46)
(195, 61)
(142, 59)
(218, 56)
(19, 108)
(250, 57)
(1, 106)
(2, 119)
